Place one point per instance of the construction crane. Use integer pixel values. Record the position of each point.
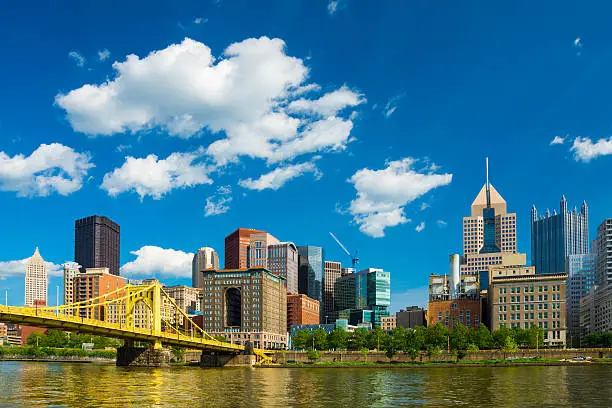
(354, 259)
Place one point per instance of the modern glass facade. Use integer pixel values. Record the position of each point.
(369, 289)
(554, 237)
(581, 278)
(311, 271)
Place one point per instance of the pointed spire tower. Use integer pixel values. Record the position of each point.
(36, 280)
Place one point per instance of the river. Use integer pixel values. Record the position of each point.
(32, 384)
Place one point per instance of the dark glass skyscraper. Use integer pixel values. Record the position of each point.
(96, 243)
(554, 237)
(310, 272)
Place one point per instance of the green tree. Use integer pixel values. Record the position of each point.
(472, 348)
(500, 335)
(414, 341)
(394, 342)
(337, 339)
(314, 355)
(57, 338)
(376, 338)
(320, 339)
(37, 339)
(178, 353)
(221, 338)
(358, 339)
(481, 337)
(302, 339)
(364, 352)
(534, 337)
(509, 346)
(436, 336)
(460, 337)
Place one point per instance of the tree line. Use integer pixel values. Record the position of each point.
(56, 338)
(598, 339)
(431, 339)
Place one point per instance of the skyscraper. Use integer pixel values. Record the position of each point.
(283, 261)
(36, 281)
(310, 271)
(205, 258)
(257, 251)
(332, 272)
(236, 248)
(96, 243)
(489, 235)
(581, 278)
(603, 246)
(369, 289)
(554, 237)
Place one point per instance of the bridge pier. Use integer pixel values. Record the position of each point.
(128, 355)
(217, 359)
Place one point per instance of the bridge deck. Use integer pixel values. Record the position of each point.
(46, 319)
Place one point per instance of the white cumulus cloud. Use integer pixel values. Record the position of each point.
(251, 99)
(383, 194)
(219, 202)
(50, 168)
(278, 177)
(155, 261)
(332, 7)
(586, 150)
(557, 140)
(420, 227)
(155, 177)
(17, 268)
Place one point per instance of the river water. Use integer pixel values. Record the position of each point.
(32, 384)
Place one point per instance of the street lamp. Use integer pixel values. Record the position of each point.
(5, 296)
(56, 300)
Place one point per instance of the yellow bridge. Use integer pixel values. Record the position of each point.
(144, 313)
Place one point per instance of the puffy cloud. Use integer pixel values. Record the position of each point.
(9, 269)
(441, 223)
(383, 194)
(557, 140)
(155, 261)
(253, 97)
(103, 55)
(420, 227)
(279, 176)
(219, 202)
(585, 150)
(50, 168)
(329, 104)
(156, 177)
(78, 58)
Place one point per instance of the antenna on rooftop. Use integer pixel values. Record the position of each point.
(488, 186)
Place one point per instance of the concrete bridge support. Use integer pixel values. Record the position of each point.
(128, 355)
(216, 359)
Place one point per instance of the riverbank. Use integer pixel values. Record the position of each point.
(58, 355)
(482, 363)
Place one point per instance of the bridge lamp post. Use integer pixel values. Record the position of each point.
(56, 300)
(5, 296)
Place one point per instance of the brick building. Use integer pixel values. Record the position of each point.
(302, 310)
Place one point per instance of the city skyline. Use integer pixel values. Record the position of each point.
(400, 116)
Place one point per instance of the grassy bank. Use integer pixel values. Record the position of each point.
(33, 352)
(466, 363)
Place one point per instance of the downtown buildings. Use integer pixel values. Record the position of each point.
(36, 281)
(205, 258)
(363, 297)
(554, 237)
(96, 243)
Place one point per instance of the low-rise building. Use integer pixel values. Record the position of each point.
(302, 310)
(388, 323)
(411, 317)
(518, 297)
(450, 312)
(3, 330)
(188, 299)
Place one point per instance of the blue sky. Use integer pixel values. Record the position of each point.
(368, 119)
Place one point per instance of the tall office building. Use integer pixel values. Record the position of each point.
(369, 289)
(581, 278)
(96, 243)
(283, 261)
(93, 283)
(311, 271)
(332, 272)
(236, 248)
(603, 247)
(489, 235)
(205, 258)
(71, 270)
(36, 281)
(554, 237)
(257, 251)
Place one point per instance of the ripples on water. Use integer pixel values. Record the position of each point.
(87, 385)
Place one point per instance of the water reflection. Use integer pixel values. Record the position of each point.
(88, 385)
